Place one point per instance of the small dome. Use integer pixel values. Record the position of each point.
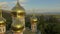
(2, 21)
(34, 19)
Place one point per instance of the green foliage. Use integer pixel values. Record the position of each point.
(49, 27)
(8, 18)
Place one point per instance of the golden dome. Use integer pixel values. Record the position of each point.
(2, 21)
(34, 19)
(17, 26)
(18, 9)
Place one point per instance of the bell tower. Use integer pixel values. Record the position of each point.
(18, 12)
(2, 23)
(34, 22)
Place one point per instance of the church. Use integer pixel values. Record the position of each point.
(18, 15)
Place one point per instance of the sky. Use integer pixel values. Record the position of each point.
(30, 5)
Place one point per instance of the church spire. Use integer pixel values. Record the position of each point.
(33, 15)
(17, 1)
(18, 4)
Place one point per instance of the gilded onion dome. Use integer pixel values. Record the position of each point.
(2, 21)
(17, 26)
(34, 19)
(18, 10)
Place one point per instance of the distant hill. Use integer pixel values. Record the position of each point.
(58, 13)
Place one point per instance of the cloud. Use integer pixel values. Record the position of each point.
(40, 10)
(13, 2)
(8, 5)
(23, 0)
(3, 3)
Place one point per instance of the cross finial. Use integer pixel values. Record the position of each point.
(33, 13)
(17, 0)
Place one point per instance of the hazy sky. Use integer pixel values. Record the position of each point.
(41, 5)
